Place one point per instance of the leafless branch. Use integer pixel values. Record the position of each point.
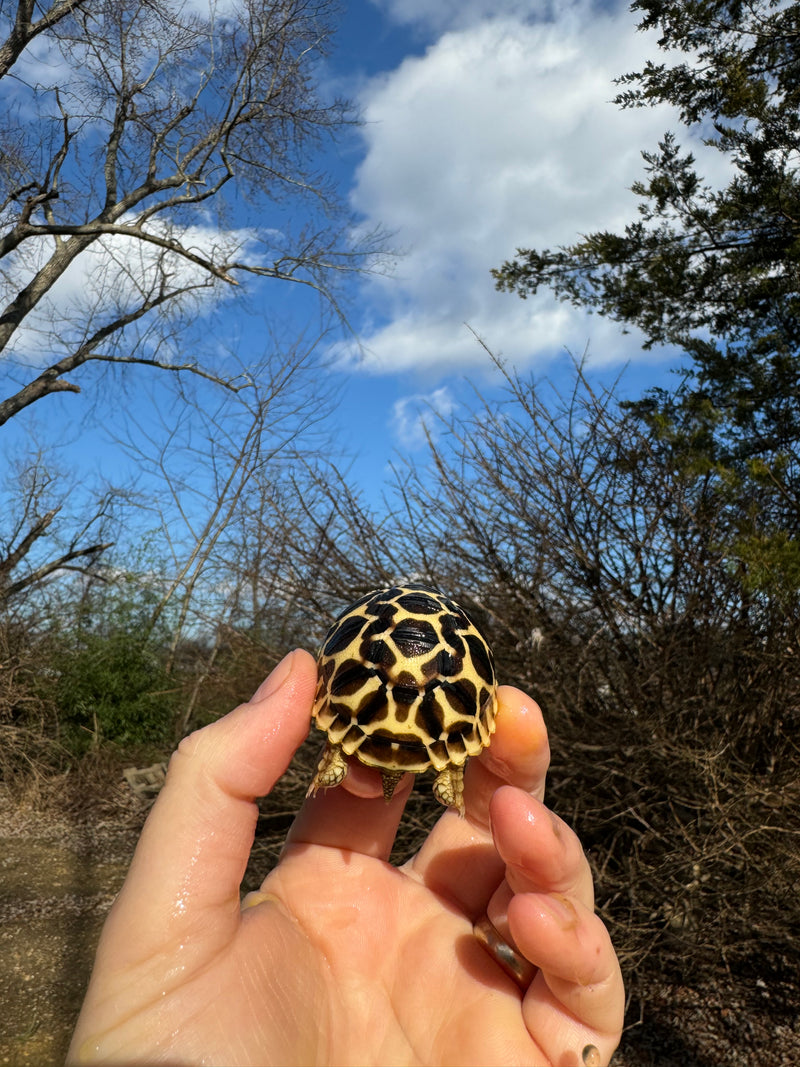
(167, 109)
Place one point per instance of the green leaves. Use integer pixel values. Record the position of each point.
(111, 681)
(713, 271)
(769, 563)
(702, 261)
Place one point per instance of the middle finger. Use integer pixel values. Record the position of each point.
(540, 852)
(458, 860)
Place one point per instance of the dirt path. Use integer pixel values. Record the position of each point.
(55, 892)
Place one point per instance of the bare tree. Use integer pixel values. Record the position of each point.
(157, 159)
(214, 474)
(43, 534)
(121, 142)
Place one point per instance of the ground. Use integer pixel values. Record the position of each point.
(60, 874)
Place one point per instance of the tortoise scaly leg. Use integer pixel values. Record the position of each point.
(390, 780)
(331, 771)
(448, 788)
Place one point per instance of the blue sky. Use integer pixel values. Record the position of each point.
(487, 124)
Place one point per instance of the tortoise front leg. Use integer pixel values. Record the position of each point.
(331, 771)
(448, 788)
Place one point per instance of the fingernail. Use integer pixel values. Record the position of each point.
(275, 679)
(562, 910)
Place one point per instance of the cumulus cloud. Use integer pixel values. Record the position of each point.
(502, 134)
(418, 417)
(455, 14)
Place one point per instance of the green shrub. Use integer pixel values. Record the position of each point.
(110, 677)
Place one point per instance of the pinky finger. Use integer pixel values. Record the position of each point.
(577, 999)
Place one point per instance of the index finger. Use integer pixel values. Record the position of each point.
(193, 850)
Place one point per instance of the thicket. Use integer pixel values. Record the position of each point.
(106, 671)
(600, 564)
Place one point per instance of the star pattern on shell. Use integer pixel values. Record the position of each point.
(406, 682)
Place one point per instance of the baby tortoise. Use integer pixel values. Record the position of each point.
(406, 682)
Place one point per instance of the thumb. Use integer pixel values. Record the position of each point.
(194, 847)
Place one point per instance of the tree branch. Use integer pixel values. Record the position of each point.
(25, 30)
(50, 381)
(62, 563)
(39, 529)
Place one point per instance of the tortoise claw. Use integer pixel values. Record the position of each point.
(390, 780)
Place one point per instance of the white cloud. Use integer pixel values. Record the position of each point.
(112, 276)
(415, 418)
(455, 14)
(501, 135)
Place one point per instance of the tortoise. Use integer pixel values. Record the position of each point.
(406, 682)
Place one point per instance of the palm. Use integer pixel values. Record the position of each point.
(388, 973)
(400, 974)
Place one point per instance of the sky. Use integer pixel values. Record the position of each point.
(486, 125)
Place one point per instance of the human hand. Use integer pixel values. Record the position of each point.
(341, 958)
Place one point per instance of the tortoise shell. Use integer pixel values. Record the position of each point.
(406, 682)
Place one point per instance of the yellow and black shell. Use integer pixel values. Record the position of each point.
(406, 682)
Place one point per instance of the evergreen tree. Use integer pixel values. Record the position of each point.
(713, 271)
